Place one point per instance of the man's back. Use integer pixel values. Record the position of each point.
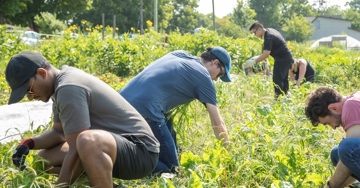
(82, 101)
(351, 111)
(176, 78)
(274, 42)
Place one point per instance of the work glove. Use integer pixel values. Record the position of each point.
(21, 151)
(249, 63)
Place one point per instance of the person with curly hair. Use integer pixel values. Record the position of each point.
(327, 106)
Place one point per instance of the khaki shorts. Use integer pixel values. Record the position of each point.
(133, 160)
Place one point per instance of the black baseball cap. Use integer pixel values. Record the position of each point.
(19, 70)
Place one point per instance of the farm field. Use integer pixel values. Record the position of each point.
(272, 143)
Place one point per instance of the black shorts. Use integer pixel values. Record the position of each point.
(133, 160)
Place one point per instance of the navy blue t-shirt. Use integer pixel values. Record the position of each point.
(174, 79)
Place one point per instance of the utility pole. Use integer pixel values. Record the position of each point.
(141, 17)
(103, 26)
(213, 15)
(114, 26)
(156, 15)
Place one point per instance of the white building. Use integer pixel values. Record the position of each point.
(327, 26)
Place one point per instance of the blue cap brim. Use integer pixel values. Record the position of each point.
(226, 77)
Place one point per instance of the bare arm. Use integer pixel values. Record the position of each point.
(302, 71)
(71, 168)
(218, 124)
(342, 174)
(291, 74)
(353, 132)
(50, 138)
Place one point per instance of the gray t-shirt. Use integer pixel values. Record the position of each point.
(82, 101)
(176, 78)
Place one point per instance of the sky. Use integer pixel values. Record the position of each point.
(225, 7)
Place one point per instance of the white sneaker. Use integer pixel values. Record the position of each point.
(168, 175)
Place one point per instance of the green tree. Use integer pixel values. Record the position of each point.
(127, 13)
(319, 6)
(9, 8)
(354, 5)
(243, 15)
(48, 23)
(290, 8)
(229, 29)
(205, 20)
(64, 9)
(297, 29)
(353, 14)
(267, 12)
(165, 14)
(26, 17)
(334, 10)
(184, 16)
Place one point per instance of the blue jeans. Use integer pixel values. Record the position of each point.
(168, 158)
(348, 151)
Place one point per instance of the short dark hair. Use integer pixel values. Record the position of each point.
(256, 25)
(318, 101)
(207, 55)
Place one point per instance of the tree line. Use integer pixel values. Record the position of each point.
(174, 15)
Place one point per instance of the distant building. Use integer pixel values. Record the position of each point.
(326, 26)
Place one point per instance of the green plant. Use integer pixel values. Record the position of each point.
(272, 143)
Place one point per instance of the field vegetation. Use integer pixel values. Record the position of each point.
(272, 143)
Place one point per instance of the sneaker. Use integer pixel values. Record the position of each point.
(168, 175)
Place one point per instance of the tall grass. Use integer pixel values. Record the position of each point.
(272, 143)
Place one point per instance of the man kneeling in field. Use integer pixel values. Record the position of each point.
(95, 129)
(328, 107)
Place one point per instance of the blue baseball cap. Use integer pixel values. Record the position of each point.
(225, 58)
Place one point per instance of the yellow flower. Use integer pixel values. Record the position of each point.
(132, 29)
(149, 23)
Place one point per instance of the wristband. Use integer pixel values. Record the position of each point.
(29, 142)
